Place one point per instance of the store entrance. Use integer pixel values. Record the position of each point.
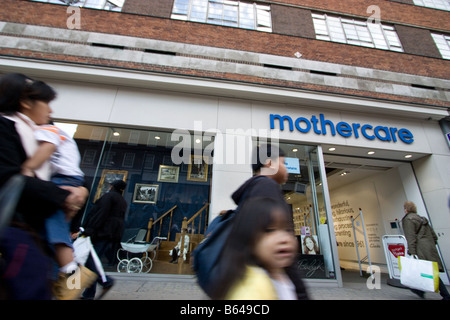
(371, 188)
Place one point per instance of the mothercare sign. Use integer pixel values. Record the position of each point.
(320, 125)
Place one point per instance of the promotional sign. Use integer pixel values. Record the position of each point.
(292, 165)
(394, 247)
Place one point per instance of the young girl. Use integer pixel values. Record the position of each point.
(258, 254)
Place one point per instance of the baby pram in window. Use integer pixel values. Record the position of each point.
(136, 254)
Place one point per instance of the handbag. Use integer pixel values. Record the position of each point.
(419, 274)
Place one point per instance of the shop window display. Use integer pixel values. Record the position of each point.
(154, 183)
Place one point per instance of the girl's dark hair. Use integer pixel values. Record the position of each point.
(16, 87)
(249, 224)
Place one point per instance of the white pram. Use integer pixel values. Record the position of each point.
(134, 245)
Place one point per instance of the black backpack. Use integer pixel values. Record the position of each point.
(207, 253)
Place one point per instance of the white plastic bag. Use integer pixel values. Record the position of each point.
(419, 274)
(82, 248)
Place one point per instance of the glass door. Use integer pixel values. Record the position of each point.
(307, 193)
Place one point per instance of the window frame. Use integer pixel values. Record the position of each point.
(214, 12)
(350, 31)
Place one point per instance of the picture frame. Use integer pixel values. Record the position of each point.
(145, 193)
(168, 173)
(310, 244)
(107, 178)
(197, 169)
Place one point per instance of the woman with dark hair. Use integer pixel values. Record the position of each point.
(24, 104)
(258, 254)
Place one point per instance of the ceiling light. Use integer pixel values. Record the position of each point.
(408, 156)
(157, 137)
(116, 134)
(371, 152)
(197, 140)
(331, 149)
(294, 150)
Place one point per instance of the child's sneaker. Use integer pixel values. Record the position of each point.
(69, 286)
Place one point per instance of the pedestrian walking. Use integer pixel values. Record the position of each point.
(62, 151)
(260, 247)
(422, 241)
(270, 173)
(24, 104)
(105, 224)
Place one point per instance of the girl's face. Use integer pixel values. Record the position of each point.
(309, 244)
(276, 247)
(36, 110)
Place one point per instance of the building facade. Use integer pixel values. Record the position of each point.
(172, 96)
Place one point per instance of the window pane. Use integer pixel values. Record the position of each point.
(180, 7)
(443, 44)
(356, 32)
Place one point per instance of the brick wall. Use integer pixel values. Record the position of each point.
(36, 13)
(417, 41)
(156, 8)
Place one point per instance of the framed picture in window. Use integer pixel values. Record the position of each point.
(145, 193)
(108, 177)
(197, 169)
(168, 173)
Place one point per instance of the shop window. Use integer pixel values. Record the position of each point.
(305, 194)
(230, 13)
(155, 184)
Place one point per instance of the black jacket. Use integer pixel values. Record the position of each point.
(106, 218)
(261, 186)
(39, 199)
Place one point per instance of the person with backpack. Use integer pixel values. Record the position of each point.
(260, 246)
(270, 173)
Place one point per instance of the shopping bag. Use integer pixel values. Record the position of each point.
(419, 274)
(82, 248)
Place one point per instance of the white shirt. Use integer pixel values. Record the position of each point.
(285, 288)
(66, 159)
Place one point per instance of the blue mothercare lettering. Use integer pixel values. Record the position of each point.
(322, 126)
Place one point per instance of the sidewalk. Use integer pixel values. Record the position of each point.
(184, 287)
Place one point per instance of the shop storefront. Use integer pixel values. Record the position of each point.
(188, 144)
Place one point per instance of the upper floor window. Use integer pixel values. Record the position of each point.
(357, 32)
(224, 12)
(112, 5)
(435, 4)
(443, 44)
